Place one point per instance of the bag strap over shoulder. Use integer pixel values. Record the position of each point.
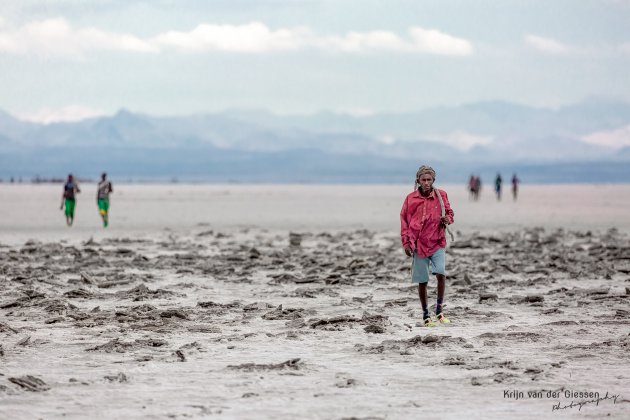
(439, 196)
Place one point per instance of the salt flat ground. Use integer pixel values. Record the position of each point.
(197, 302)
(32, 211)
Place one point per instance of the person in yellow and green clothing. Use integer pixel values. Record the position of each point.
(68, 199)
(102, 198)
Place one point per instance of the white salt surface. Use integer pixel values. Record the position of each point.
(32, 211)
(99, 315)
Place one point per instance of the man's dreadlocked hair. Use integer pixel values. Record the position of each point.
(424, 169)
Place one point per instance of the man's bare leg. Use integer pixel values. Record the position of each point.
(422, 294)
(441, 287)
(441, 280)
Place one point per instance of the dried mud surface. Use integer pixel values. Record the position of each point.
(257, 324)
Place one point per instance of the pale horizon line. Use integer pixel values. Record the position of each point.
(78, 113)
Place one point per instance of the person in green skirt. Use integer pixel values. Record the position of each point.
(68, 199)
(102, 198)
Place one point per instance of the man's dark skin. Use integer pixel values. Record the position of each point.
(425, 187)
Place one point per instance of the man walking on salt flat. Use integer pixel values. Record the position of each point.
(68, 198)
(103, 190)
(423, 222)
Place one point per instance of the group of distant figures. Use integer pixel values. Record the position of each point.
(71, 189)
(474, 186)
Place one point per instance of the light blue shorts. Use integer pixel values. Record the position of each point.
(420, 268)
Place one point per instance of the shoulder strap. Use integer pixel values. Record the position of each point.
(439, 196)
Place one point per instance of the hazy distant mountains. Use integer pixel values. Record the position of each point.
(542, 145)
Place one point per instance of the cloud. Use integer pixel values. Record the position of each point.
(256, 37)
(356, 112)
(432, 41)
(69, 113)
(548, 45)
(387, 139)
(424, 41)
(614, 139)
(56, 37)
(360, 42)
(464, 141)
(553, 47)
(253, 37)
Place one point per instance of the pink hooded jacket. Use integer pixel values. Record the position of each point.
(420, 226)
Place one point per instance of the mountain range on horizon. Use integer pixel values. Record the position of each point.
(542, 145)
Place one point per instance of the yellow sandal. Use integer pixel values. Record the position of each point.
(428, 322)
(442, 319)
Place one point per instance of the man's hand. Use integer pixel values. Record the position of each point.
(409, 252)
(445, 221)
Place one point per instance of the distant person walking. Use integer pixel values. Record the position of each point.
(102, 198)
(515, 182)
(68, 199)
(422, 232)
(497, 185)
(477, 187)
(471, 187)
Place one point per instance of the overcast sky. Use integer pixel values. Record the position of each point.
(66, 59)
